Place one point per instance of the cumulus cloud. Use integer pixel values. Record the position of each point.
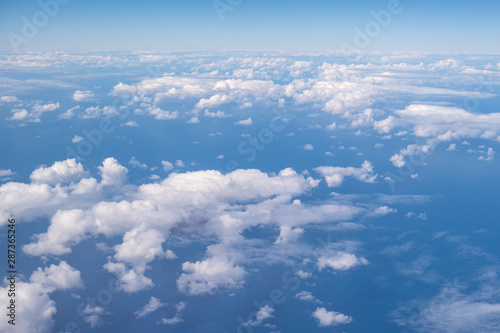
(340, 261)
(167, 166)
(83, 96)
(153, 305)
(33, 301)
(308, 147)
(8, 99)
(264, 313)
(306, 296)
(59, 172)
(443, 122)
(490, 155)
(330, 318)
(34, 115)
(210, 275)
(57, 277)
(334, 176)
(136, 164)
(245, 122)
(415, 152)
(92, 315)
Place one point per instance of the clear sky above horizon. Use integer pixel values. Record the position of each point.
(444, 26)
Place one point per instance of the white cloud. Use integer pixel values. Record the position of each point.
(93, 315)
(130, 123)
(490, 155)
(210, 275)
(443, 122)
(288, 234)
(57, 277)
(8, 99)
(98, 112)
(330, 318)
(59, 172)
(340, 261)
(334, 176)
(167, 166)
(179, 164)
(306, 296)
(332, 126)
(245, 122)
(218, 114)
(6, 173)
(69, 113)
(452, 147)
(193, 120)
(112, 172)
(398, 161)
(264, 313)
(83, 96)
(136, 164)
(36, 112)
(77, 139)
(33, 302)
(308, 146)
(153, 305)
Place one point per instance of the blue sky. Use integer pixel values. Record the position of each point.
(444, 26)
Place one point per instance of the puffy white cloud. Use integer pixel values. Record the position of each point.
(59, 172)
(308, 147)
(334, 176)
(69, 113)
(340, 261)
(93, 315)
(83, 96)
(490, 155)
(264, 313)
(414, 150)
(397, 160)
(6, 173)
(330, 318)
(112, 172)
(288, 234)
(245, 122)
(443, 122)
(98, 112)
(8, 99)
(129, 280)
(167, 166)
(179, 164)
(210, 275)
(77, 139)
(36, 112)
(34, 305)
(136, 164)
(57, 277)
(33, 302)
(67, 227)
(306, 296)
(153, 305)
